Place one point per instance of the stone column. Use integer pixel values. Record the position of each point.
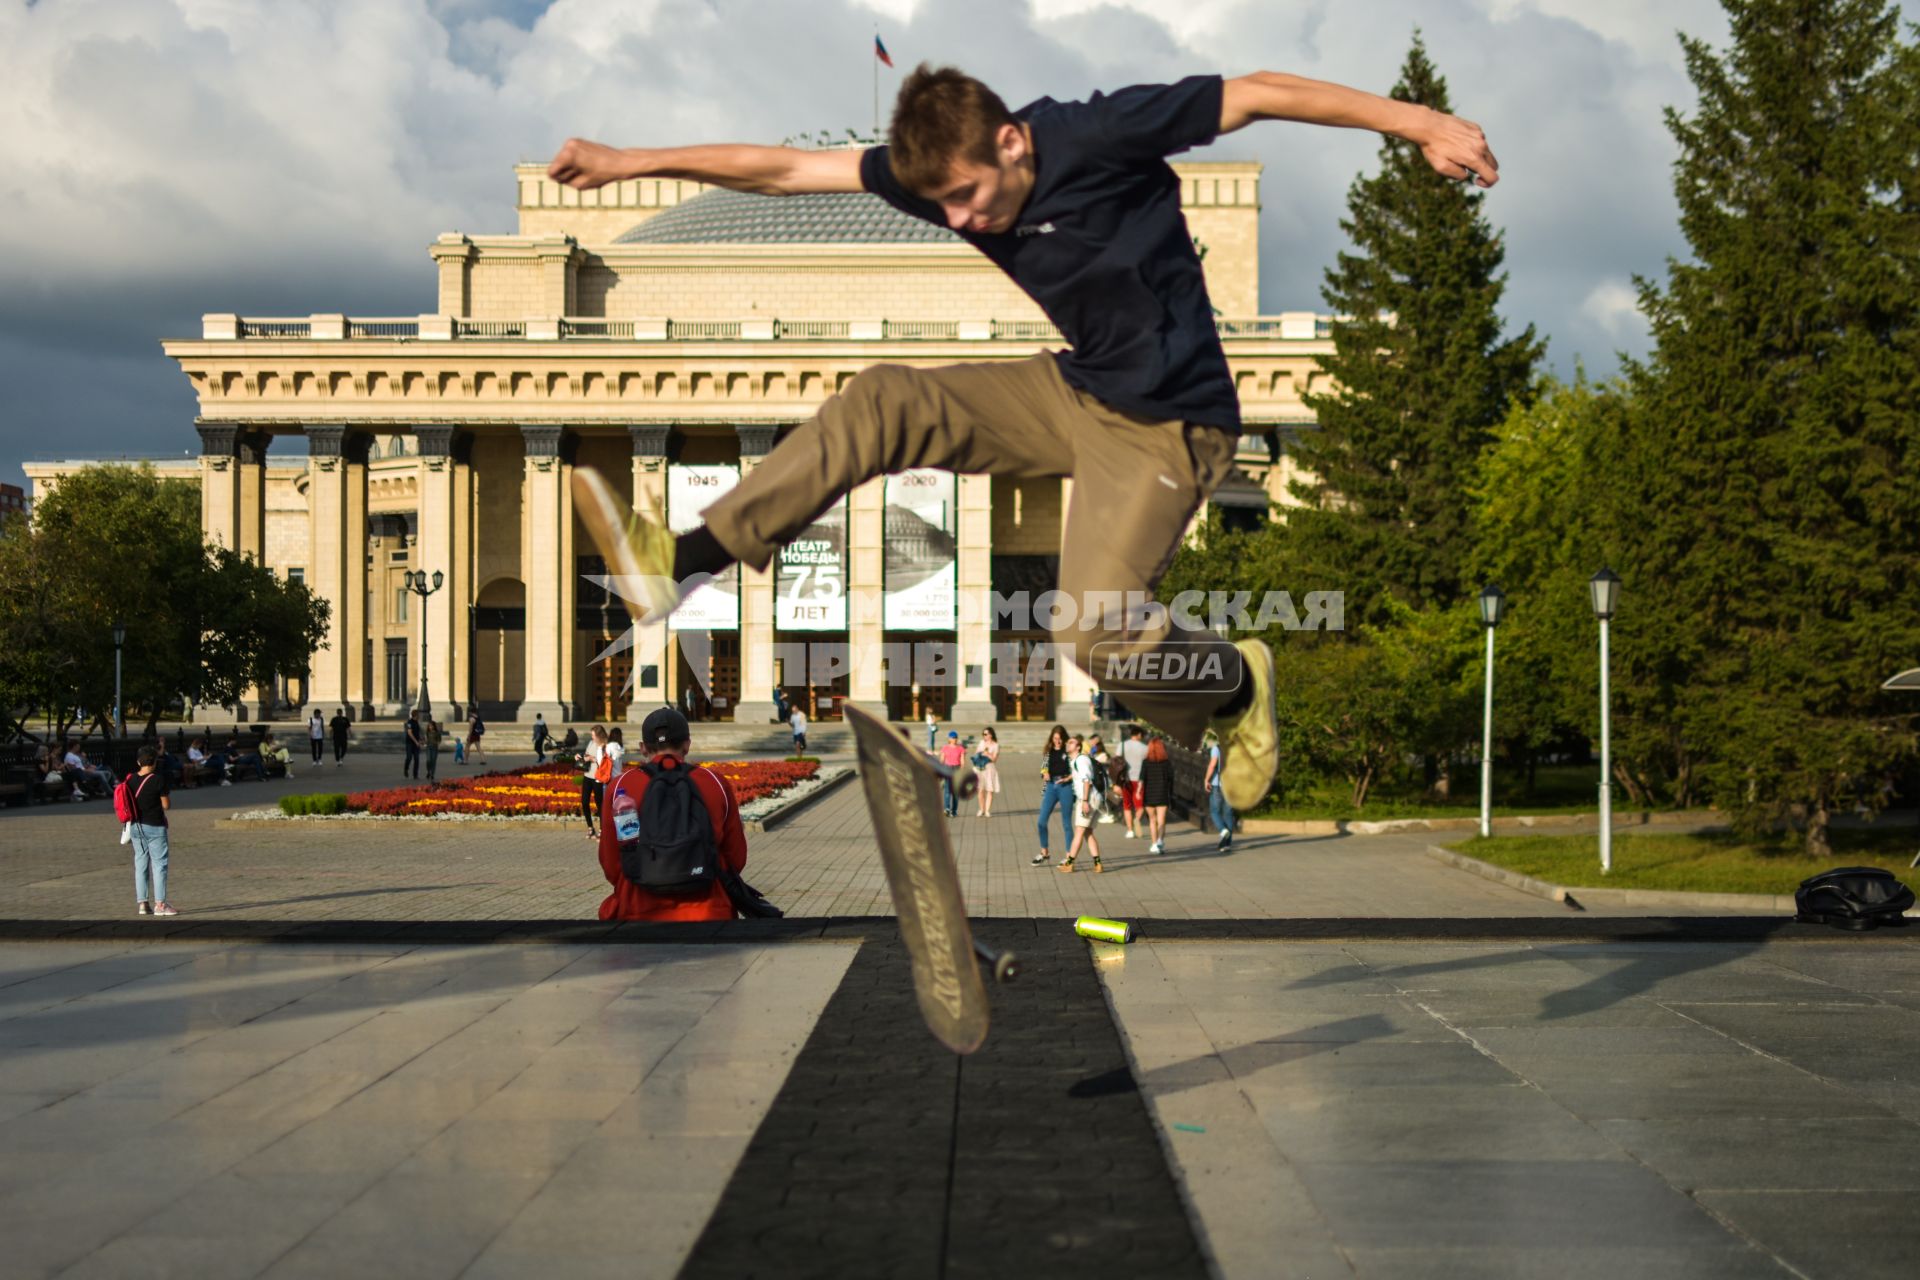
(250, 524)
(442, 546)
(1076, 687)
(756, 602)
(546, 566)
(973, 703)
(219, 484)
(337, 515)
(866, 580)
(652, 443)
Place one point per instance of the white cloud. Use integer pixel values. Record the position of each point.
(1614, 307)
(164, 158)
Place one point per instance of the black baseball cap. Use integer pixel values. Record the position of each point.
(664, 727)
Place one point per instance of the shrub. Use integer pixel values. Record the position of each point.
(323, 805)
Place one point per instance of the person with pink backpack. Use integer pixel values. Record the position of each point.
(141, 802)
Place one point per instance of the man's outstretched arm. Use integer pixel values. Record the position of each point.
(767, 171)
(1455, 148)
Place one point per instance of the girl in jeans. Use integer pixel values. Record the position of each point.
(1056, 791)
(148, 792)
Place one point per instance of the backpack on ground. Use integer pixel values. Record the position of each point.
(1856, 898)
(672, 848)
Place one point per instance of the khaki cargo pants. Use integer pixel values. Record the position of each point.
(1137, 482)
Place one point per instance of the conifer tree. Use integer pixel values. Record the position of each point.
(1422, 374)
(1772, 560)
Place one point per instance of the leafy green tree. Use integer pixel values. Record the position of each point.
(1774, 561)
(1422, 375)
(117, 543)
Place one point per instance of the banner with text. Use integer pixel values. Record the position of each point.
(810, 586)
(690, 491)
(922, 552)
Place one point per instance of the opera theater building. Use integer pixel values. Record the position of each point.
(665, 334)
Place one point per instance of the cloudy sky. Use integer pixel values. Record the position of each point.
(165, 158)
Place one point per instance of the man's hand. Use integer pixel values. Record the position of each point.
(585, 165)
(1456, 148)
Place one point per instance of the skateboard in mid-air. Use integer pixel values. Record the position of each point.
(910, 826)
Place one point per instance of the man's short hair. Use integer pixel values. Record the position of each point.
(942, 115)
(145, 756)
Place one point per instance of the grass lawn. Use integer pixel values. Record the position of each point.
(1557, 789)
(1695, 863)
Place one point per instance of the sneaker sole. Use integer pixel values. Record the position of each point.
(1243, 789)
(610, 522)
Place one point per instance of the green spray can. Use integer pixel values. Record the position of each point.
(1103, 930)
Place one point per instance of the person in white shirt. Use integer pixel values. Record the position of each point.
(1133, 754)
(799, 722)
(590, 762)
(316, 735)
(1086, 807)
(89, 775)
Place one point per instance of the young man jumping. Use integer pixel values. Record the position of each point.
(1076, 202)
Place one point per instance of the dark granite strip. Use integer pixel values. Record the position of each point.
(884, 1155)
(1636, 929)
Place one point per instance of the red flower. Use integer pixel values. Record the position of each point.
(550, 789)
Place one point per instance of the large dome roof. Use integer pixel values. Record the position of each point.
(738, 217)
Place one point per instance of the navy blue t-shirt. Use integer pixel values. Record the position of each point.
(1104, 249)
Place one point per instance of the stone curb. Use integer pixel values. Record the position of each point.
(1698, 819)
(779, 814)
(1574, 898)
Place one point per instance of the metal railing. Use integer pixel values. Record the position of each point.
(489, 328)
(383, 328)
(596, 328)
(276, 328)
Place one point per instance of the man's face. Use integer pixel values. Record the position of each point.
(985, 199)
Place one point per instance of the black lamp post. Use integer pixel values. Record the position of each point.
(119, 643)
(416, 580)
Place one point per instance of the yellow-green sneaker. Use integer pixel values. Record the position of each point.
(638, 551)
(1250, 741)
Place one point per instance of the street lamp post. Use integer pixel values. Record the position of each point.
(416, 580)
(119, 712)
(1605, 587)
(1492, 605)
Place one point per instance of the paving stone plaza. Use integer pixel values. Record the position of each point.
(409, 1049)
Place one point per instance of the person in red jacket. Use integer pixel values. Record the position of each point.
(667, 737)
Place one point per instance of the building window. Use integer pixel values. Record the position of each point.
(297, 574)
(400, 595)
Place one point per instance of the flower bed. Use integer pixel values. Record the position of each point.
(550, 790)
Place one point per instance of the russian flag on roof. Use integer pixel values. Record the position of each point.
(880, 50)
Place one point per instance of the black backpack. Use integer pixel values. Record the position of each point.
(1100, 780)
(1857, 898)
(674, 852)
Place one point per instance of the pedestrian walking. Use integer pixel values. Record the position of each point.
(1087, 804)
(1103, 767)
(415, 739)
(933, 729)
(1218, 810)
(799, 722)
(986, 766)
(1133, 754)
(435, 731)
(953, 755)
(316, 734)
(476, 730)
(617, 748)
(341, 727)
(148, 801)
(590, 794)
(540, 738)
(1156, 792)
(1056, 792)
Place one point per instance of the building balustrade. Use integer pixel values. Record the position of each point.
(1291, 326)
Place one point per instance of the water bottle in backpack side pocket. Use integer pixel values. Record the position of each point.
(626, 824)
